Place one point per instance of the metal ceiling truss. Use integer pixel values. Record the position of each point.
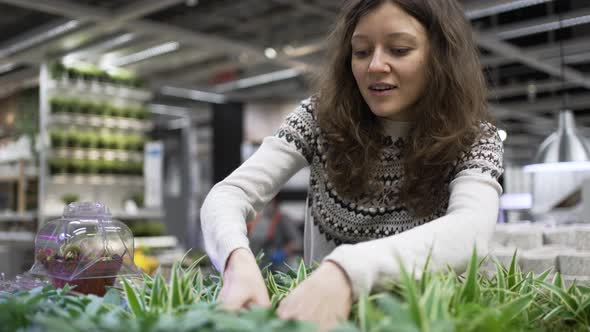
(198, 46)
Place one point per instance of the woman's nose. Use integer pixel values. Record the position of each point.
(379, 62)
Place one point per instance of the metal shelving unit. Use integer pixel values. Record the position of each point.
(111, 189)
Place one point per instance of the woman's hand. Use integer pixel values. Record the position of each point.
(243, 285)
(325, 298)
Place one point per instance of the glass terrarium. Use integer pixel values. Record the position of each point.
(85, 248)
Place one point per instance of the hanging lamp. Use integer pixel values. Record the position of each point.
(563, 150)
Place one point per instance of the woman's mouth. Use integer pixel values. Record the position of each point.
(382, 89)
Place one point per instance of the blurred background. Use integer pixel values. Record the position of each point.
(143, 105)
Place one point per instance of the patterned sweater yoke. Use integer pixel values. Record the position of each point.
(380, 214)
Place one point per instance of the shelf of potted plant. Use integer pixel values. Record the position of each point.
(90, 79)
(94, 153)
(96, 121)
(97, 126)
(110, 180)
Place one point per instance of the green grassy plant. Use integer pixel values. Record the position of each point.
(508, 300)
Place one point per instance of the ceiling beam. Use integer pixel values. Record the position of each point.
(22, 79)
(490, 42)
(179, 59)
(38, 53)
(522, 89)
(478, 9)
(573, 46)
(90, 13)
(544, 24)
(552, 104)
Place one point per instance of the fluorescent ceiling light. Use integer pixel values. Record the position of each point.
(7, 67)
(513, 5)
(74, 57)
(258, 80)
(146, 54)
(270, 53)
(37, 39)
(549, 26)
(303, 50)
(169, 110)
(194, 94)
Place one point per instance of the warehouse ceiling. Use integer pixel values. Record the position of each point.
(219, 50)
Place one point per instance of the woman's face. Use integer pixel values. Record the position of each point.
(389, 55)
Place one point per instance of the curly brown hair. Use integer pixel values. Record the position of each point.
(447, 116)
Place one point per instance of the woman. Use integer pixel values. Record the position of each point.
(404, 162)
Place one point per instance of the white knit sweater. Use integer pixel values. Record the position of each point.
(368, 238)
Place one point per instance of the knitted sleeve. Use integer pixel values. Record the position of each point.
(233, 201)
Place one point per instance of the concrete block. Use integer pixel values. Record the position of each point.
(560, 235)
(522, 236)
(580, 280)
(582, 237)
(574, 263)
(540, 259)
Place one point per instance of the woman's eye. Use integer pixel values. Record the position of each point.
(400, 51)
(360, 53)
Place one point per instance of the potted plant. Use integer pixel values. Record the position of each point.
(105, 140)
(119, 167)
(57, 70)
(94, 166)
(75, 106)
(79, 166)
(84, 139)
(58, 165)
(136, 168)
(142, 113)
(119, 142)
(135, 142)
(56, 105)
(71, 138)
(138, 198)
(108, 166)
(85, 107)
(87, 267)
(58, 138)
(69, 198)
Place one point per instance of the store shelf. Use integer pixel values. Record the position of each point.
(97, 180)
(10, 171)
(16, 177)
(156, 241)
(98, 121)
(98, 89)
(17, 236)
(80, 153)
(171, 256)
(141, 214)
(17, 217)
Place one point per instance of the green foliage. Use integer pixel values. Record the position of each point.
(69, 198)
(432, 302)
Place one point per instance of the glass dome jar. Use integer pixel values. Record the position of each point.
(85, 248)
